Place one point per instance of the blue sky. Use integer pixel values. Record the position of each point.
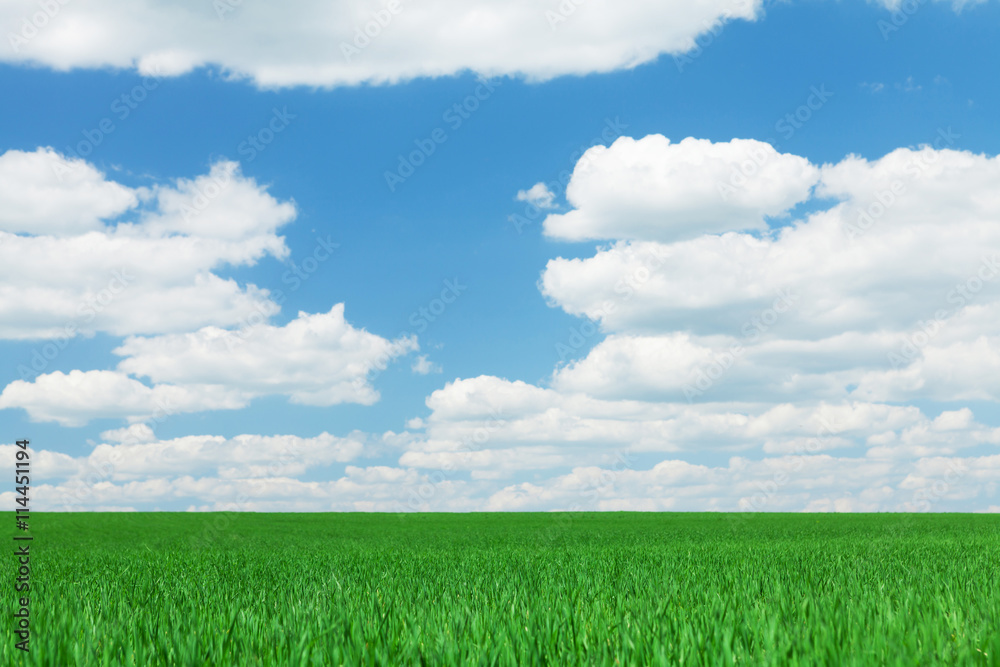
(515, 314)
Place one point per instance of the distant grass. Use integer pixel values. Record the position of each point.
(506, 589)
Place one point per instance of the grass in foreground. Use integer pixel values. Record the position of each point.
(504, 589)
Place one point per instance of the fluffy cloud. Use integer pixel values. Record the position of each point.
(247, 472)
(244, 456)
(314, 360)
(322, 44)
(908, 241)
(797, 347)
(265, 473)
(74, 398)
(493, 424)
(82, 268)
(764, 370)
(44, 193)
(817, 483)
(654, 190)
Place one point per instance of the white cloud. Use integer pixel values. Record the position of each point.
(221, 204)
(491, 423)
(812, 483)
(424, 366)
(133, 433)
(42, 192)
(654, 190)
(322, 44)
(957, 5)
(74, 398)
(861, 265)
(959, 371)
(538, 195)
(314, 360)
(362, 489)
(804, 416)
(812, 316)
(258, 473)
(77, 271)
(241, 457)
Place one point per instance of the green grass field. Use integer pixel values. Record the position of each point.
(506, 589)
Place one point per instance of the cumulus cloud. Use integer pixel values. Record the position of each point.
(316, 43)
(771, 369)
(74, 398)
(793, 351)
(241, 457)
(814, 483)
(492, 423)
(248, 456)
(265, 473)
(71, 262)
(890, 293)
(910, 237)
(654, 190)
(316, 359)
(45, 193)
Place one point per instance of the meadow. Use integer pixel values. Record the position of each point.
(512, 589)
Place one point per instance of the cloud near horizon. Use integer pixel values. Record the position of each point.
(773, 361)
